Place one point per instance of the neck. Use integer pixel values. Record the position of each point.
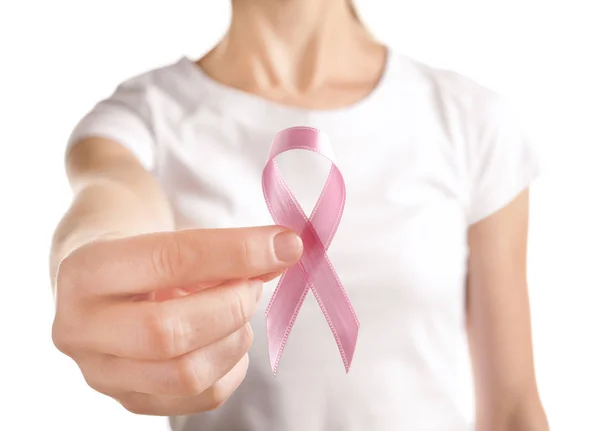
(291, 45)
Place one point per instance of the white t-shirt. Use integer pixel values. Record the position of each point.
(424, 156)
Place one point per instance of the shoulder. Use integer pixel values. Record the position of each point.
(456, 92)
(138, 109)
(168, 88)
(466, 106)
(447, 83)
(497, 157)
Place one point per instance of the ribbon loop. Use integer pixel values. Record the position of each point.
(314, 271)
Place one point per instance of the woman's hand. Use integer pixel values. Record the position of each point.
(160, 321)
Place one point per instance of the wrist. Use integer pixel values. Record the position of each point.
(530, 417)
(526, 415)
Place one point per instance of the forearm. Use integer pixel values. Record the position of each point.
(111, 199)
(499, 322)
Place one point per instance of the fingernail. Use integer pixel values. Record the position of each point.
(287, 246)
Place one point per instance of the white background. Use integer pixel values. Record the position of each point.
(59, 57)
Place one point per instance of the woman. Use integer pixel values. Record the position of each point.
(159, 271)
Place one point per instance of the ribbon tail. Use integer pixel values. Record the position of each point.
(342, 321)
(282, 311)
(330, 295)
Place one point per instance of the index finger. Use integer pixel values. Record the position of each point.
(185, 258)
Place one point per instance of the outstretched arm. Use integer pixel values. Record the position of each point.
(113, 196)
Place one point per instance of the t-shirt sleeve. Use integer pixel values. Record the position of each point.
(502, 158)
(124, 117)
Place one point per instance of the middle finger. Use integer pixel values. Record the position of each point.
(185, 376)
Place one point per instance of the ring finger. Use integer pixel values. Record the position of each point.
(185, 376)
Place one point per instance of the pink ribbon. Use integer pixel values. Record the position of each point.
(314, 271)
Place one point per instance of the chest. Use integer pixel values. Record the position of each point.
(403, 227)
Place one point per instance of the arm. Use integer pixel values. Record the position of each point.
(498, 321)
(113, 196)
(181, 356)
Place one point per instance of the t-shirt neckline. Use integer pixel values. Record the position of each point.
(240, 102)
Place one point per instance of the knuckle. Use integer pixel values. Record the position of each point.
(189, 382)
(133, 405)
(220, 392)
(246, 337)
(165, 332)
(60, 337)
(242, 303)
(246, 255)
(93, 380)
(217, 396)
(168, 257)
(66, 323)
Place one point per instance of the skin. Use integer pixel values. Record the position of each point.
(141, 291)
